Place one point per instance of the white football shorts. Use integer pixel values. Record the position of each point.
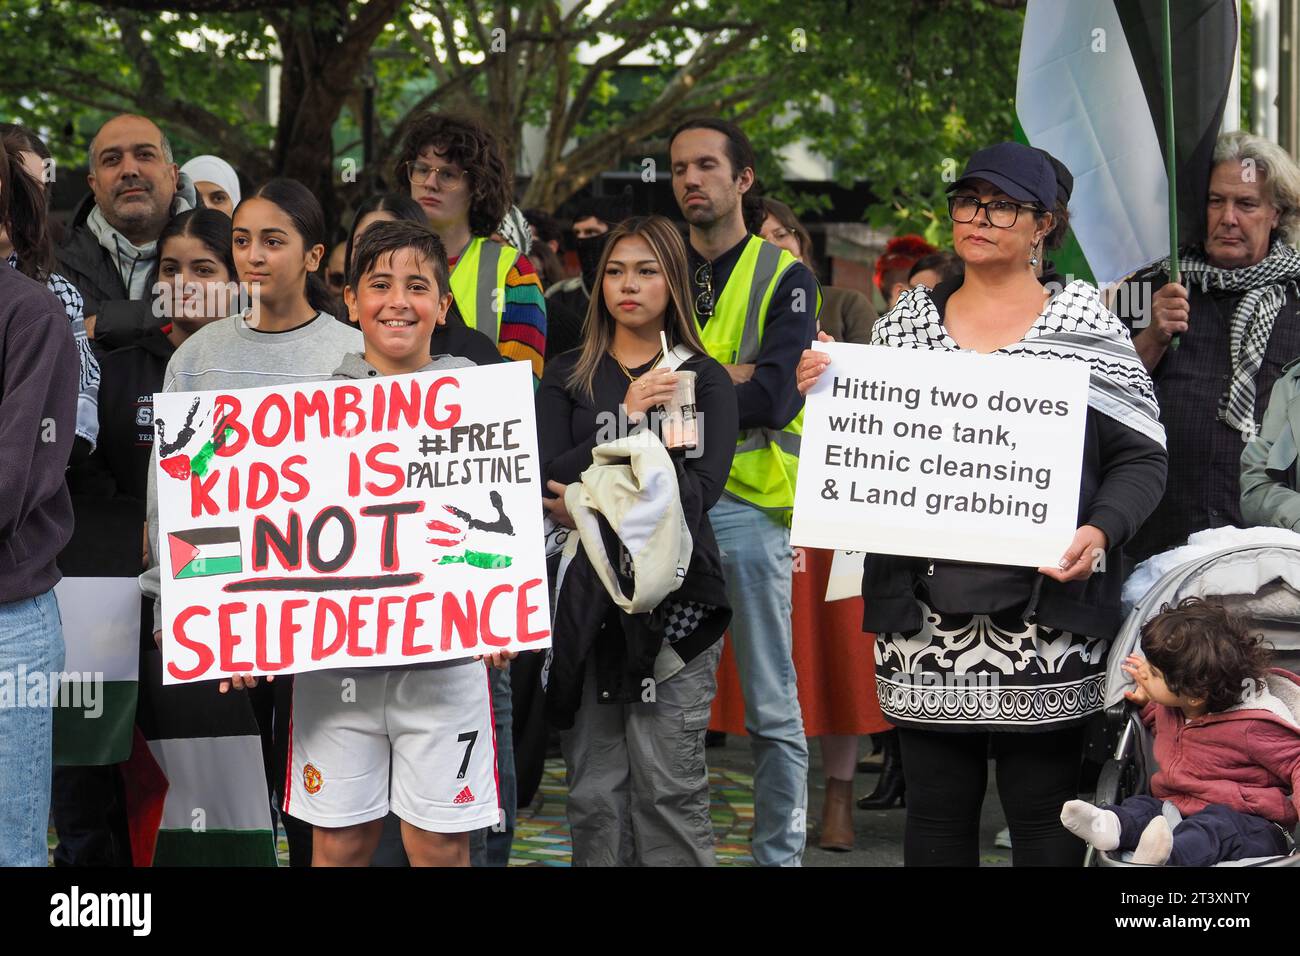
(418, 741)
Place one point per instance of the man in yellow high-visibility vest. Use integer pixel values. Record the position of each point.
(756, 306)
(454, 168)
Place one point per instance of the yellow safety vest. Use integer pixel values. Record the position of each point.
(766, 463)
(478, 284)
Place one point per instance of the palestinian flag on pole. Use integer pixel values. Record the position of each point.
(217, 810)
(1091, 92)
(94, 713)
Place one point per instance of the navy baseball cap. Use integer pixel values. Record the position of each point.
(1064, 179)
(1020, 171)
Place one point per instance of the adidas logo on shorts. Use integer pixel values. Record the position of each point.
(465, 796)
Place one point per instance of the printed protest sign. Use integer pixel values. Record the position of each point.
(350, 524)
(942, 455)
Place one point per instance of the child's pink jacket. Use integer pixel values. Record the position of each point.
(1246, 757)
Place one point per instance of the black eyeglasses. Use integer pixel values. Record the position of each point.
(1002, 213)
(704, 282)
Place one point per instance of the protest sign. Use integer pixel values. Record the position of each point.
(350, 523)
(845, 579)
(948, 455)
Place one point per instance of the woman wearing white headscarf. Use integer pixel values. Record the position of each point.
(216, 182)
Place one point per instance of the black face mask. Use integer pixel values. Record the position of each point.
(589, 253)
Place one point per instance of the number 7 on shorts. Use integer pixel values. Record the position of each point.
(469, 738)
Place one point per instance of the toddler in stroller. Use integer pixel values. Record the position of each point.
(1227, 739)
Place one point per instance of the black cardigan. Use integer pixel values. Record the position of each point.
(1122, 479)
(568, 425)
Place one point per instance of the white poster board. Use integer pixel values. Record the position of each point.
(362, 523)
(950, 455)
(101, 626)
(845, 580)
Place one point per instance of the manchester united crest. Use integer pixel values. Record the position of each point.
(311, 779)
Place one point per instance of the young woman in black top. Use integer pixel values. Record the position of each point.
(638, 782)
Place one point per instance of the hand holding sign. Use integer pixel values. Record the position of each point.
(1081, 557)
(811, 365)
(241, 683)
(500, 660)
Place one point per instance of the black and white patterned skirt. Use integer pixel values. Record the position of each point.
(988, 672)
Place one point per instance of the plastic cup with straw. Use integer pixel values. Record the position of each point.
(680, 429)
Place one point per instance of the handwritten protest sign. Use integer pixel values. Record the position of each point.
(350, 523)
(942, 455)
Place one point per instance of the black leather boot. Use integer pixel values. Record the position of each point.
(889, 790)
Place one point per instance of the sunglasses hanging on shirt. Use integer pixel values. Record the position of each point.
(704, 285)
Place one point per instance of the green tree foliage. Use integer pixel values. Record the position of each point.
(891, 90)
(901, 94)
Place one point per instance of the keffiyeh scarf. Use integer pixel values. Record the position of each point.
(1264, 287)
(1074, 326)
(516, 231)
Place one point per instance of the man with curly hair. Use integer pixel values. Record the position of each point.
(454, 168)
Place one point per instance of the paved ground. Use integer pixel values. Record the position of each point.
(542, 836)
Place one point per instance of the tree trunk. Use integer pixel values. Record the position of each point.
(324, 56)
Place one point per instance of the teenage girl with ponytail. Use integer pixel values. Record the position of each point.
(284, 335)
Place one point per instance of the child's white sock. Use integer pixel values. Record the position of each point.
(1155, 844)
(1093, 825)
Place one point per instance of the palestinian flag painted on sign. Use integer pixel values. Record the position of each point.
(203, 552)
(94, 712)
(1090, 91)
(217, 809)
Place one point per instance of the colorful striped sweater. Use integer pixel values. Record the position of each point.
(522, 337)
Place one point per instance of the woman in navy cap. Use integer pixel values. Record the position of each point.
(1019, 651)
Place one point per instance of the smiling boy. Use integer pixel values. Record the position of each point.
(417, 739)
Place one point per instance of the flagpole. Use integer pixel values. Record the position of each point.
(1171, 151)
